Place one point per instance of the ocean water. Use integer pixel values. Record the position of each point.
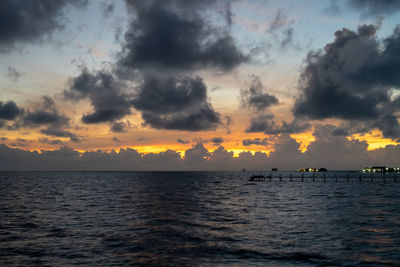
(196, 218)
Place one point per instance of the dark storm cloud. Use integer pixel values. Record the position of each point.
(375, 7)
(9, 110)
(255, 97)
(105, 93)
(24, 21)
(13, 74)
(255, 141)
(176, 36)
(353, 79)
(175, 103)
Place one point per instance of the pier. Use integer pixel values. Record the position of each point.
(339, 176)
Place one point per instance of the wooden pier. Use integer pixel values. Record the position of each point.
(326, 176)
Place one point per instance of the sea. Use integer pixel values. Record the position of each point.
(198, 219)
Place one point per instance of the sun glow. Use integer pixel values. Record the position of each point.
(374, 139)
(304, 139)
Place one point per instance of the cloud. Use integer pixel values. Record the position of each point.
(227, 124)
(281, 29)
(9, 110)
(217, 140)
(259, 123)
(289, 128)
(182, 141)
(354, 79)
(106, 95)
(50, 142)
(259, 101)
(264, 124)
(115, 139)
(332, 152)
(333, 9)
(60, 133)
(176, 36)
(45, 114)
(107, 8)
(31, 21)
(255, 141)
(175, 103)
(256, 98)
(375, 7)
(13, 74)
(42, 117)
(118, 127)
(42, 114)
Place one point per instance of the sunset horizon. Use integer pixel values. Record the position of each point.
(233, 81)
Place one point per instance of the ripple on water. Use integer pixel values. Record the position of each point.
(191, 218)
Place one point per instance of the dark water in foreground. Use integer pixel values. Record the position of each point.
(195, 218)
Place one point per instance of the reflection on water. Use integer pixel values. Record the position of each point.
(191, 218)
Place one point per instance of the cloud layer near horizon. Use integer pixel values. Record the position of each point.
(329, 151)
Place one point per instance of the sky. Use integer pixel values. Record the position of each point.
(199, 85)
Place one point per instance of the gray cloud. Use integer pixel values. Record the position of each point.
(9, 110)
(255, 141)
(332, 152)
(259, 123)
(107, 8)
(45, 114)
(175, 35)
(115, 139)
(50, 142)
(175, 103)
(106, 95)
(289, 128)
(353, 79)
(118, 127)
(264, 124)
(259, 101)
(375, 7)
(60, 133)
(217, 140)
(13, 74)
(31, 21)
(255, 97)
(182, 141)
(42, 117)
(281, 29)
(333, 8)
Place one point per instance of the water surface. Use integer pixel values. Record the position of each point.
(196, 218)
